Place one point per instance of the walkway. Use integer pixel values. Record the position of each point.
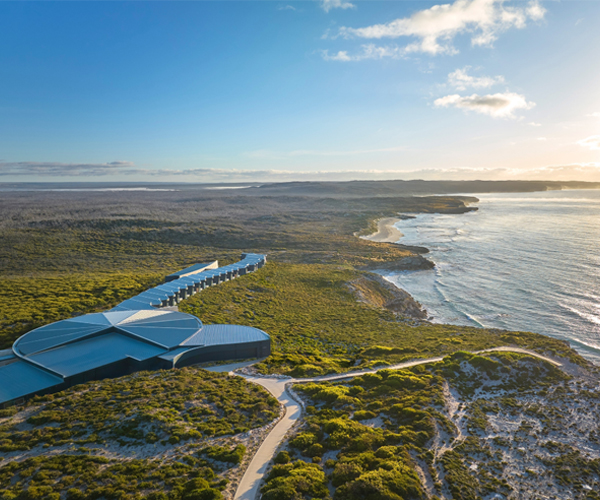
(249, 485)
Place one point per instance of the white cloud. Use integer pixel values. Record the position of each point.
(368, 51)
(286, 7)
(534, 124)
(64, 169)
(274, 155)
(542, 138)
(535, 11)
(571, 172)
(461, 80)
(501, 105)
(592, 142)
(436, 27)
(327, 5)
(595, 114)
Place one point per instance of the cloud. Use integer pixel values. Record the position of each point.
(435, 28)
(368, 51)
(461, 80)
(573, 172)
(328, 5)
(267, 154)
(596, 114)
(501, 105)
(592, 142)
(542, 138)
(286, 7)
(586, 172)
(534, 124)
(64, 169)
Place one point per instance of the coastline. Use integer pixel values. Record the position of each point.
(386, 232)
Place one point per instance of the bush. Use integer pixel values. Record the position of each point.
(303, 440)
(363, 415)
(223, 454)
(283, 457)
(294, 481)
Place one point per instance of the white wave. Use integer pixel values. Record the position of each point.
(108, 189)
(582, 314)
(596, 347)
(231, 187)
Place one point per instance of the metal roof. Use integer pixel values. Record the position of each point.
(20, 379)
(164, 328)
(196, 268)
(95, 352)
(153, 298)
(225, 334)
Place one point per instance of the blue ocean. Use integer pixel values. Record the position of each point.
(523, 261)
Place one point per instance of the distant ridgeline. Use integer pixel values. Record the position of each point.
(141, 333)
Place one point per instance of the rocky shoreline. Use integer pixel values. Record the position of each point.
(375, 290)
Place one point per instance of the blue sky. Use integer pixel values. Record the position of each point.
(236, 91)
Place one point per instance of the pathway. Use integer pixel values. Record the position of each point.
(279, 387)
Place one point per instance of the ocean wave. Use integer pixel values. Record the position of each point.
(595, 347)
(534, 200)
(592, 318)
(521, 262)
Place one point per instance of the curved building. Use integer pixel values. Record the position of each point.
(141, 333)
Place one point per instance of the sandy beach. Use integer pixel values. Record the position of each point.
(386, 232)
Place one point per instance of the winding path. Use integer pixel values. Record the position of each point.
(280, 388)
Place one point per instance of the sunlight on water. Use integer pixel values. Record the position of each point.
(526, 261)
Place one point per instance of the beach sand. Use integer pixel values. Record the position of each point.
(386, 232)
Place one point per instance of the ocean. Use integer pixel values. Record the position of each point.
(523, 261)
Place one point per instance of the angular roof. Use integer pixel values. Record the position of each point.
(21, 379)
(225, 335)
(196, 268)
(165, 329)
(71, 359)
(150, 299)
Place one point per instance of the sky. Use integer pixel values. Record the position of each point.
(244, 91)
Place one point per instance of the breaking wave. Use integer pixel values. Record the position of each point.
(521, 262)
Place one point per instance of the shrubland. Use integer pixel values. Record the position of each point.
(66, 254)
(167, 406)
(77, 443)
(396, 434)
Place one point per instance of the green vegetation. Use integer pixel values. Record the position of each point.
(81, 477)
(68, 254)
(164, 407)
(369, 438)
(505, 371)
(223, 454)
(380, 428)
(295, 480)
(318, 327)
